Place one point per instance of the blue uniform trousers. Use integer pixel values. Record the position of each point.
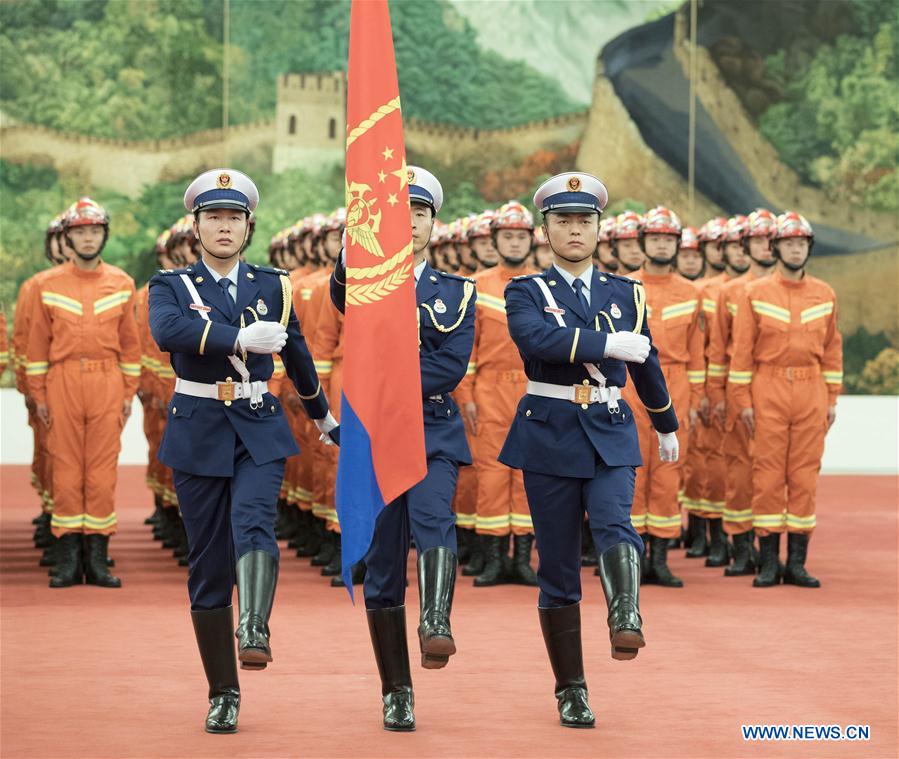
(427, 511)
(557, 508)
(226, 517)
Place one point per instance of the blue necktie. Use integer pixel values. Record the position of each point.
(225, 283)
(579, 287)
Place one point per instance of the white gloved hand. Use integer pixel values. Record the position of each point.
(324, 427)
(262, 337)
(627, 346)
(669, 448)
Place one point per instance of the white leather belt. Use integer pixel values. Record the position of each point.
(577, 393)
(224, 391)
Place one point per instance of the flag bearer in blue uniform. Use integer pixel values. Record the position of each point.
(580, 333)
(446, 306)
(227, 437)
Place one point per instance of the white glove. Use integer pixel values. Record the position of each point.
(627, 346)
(325, 426)
(669, 448)
(262, 337)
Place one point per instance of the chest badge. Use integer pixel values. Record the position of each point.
(616, 312)
(439, 306)
(261, 308)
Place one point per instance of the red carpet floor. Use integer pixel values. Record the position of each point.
(89, 672)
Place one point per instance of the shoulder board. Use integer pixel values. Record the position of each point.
(628, 280)
(454, 276)
(269, 269)
(167, 272)
(521, 277)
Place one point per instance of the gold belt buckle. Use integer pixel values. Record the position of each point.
(582, 393)
(225, 391)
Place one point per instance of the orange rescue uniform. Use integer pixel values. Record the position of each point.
(84, 363)
(672, 309)
(787, 366)
(495, 385)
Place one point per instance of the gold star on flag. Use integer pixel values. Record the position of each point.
(388, 153)
(381, 177)
(392, 199)
(403, 173)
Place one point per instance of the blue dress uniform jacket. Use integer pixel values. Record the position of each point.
(199, 429)
(558, 437)
(443, 354)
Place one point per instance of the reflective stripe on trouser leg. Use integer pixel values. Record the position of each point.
(739, 479)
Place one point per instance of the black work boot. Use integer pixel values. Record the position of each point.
(334, 567)
(494, 572)
(645, 566)
(522, 573)
(387, 628)
(658, 561)
(743, 561)
(326, 549)
(69, 569)
(48, 558)
(214, 630)
(477, 557)
(769, 569)
(588, 549)
(561, 628)
(717, 545)
(314, 534)
(170, 523)
(96, 562)
(699, 542)
(357, 576)
(436, 581)
(257, 576)
(619, 568)
(797, 552)
(157, 510)
(282, 528)
(463, 544)
(181, 547)
(300, 533)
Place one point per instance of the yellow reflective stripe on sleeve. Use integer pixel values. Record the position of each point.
(816, 312)
(205, 335)
(679, 309)
(804, 523)
(654, 520)
(58, 300)
(833, 378)
(323, 367)
(314, 395)
(111, 301)
(731, 308)
(708, 305)
(130, 370)
(717, 370)
(165, 372)
(739, 378)
(305, 293)
(93, 523)
(472, 368)
(741, 515)
(577, 336)
(695, 377)
(763, 308)
(658, 410)
(33, 368)
(492, 302)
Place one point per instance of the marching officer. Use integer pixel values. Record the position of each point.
(488, 398)
(786, 372)
(580, 332)
(83, 369)
(446, 314)
(227, 437)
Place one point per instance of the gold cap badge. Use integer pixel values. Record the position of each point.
(410, 176)
(224, 181)
(574, 184)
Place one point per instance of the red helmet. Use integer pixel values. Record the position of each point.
(661, 221)
(540, 236)
(84, 212)
(336, 221)
(438, 233)
(713, 230)
(319, 220)
(689, 239)
(513, 215)
(760, 223)
(628, 226)
(55, 225)
(162, 242)
(606, 228)
(792, 224)
(480, 226)
(733, 232)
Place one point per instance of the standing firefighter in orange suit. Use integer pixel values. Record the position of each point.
(749, 257)
(489, 399)
(83, 370)
(673, 310)
(786, 372)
